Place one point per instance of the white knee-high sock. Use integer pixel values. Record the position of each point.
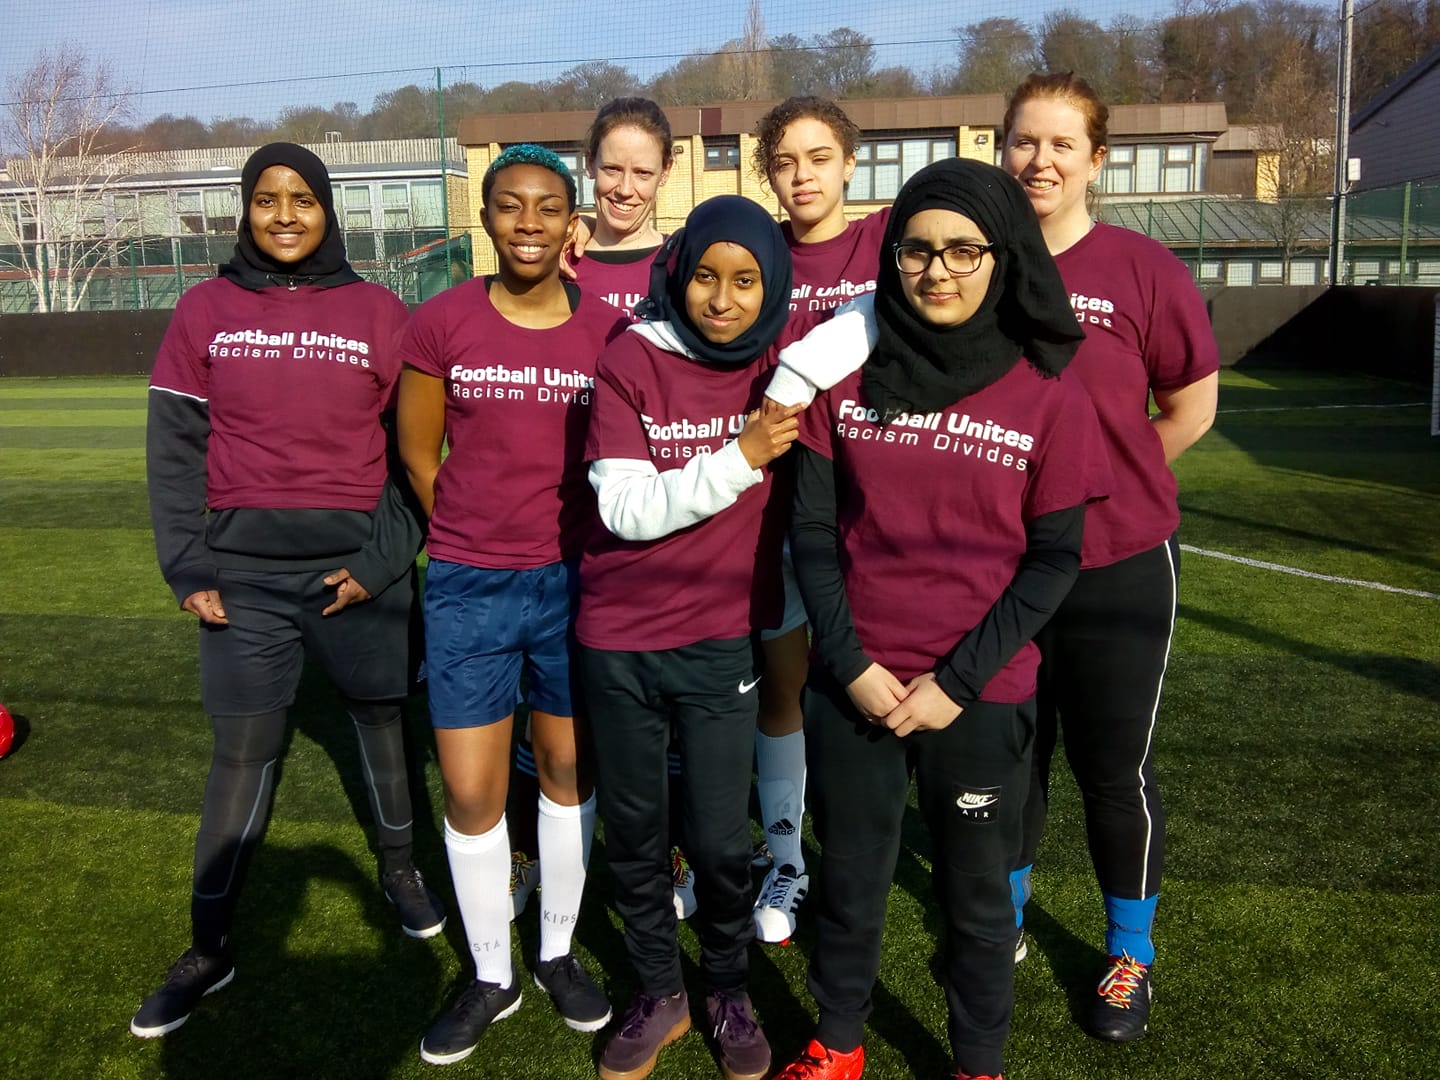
(565, 833)
(480, 870)
(780, 783)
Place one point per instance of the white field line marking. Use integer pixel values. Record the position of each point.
(1309, 573)
(1307, 408)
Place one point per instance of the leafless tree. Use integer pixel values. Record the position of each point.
(1294, 120)
(56, 118)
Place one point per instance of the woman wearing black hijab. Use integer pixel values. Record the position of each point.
(277, 525)
(940, 496)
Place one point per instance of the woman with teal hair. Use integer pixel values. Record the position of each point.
(500, 369)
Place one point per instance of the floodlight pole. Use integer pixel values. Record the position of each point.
(1342, 141)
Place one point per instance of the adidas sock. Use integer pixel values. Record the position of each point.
(1127, 929)
(480, 870)
(565, 833)
(520, 806)
(1021, 890)
(780, 783)
(381, 732)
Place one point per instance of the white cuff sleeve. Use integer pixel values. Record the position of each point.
(826, 354)
(638, 502)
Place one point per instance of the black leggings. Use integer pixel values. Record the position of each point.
(1104, 657)
(240, 792)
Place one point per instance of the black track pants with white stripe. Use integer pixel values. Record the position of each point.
(1104, 658)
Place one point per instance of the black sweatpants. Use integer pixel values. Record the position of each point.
(249, 672)
(971, 780)
(1103, 665)
(706, 694)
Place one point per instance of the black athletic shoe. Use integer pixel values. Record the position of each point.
(422, 914)
(578, 1000)
(189, 979)
(1123, 1009)
(454, 1036)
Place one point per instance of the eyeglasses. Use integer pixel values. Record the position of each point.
(961, 260)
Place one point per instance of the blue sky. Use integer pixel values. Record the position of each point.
(212, 58)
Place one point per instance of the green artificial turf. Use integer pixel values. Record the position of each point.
(1299, 756)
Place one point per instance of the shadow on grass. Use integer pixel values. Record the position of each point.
(1403, 673)
(302, 1008)
(1290, 532)
(1076, 963)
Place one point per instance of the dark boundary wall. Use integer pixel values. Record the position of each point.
(1381, 330)
(81, 342)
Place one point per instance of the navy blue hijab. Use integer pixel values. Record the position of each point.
(723, 219)
(326, 266)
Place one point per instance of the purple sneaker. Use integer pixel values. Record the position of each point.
(649, 1025)
(744, 1052)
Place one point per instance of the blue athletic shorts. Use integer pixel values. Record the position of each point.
(483, 626)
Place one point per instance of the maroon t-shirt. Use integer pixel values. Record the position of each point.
(719, 578)
(512, 493)
(1146, 328)
(288, 375)
(833, 271)
(620, 278)
(932, 509)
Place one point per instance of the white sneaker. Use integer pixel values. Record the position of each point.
(780, 895)
(524, 880)
(684, 880)
(1022, 947)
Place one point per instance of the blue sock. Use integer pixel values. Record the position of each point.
(525, 758)
(1127, 929)
(1020, 892)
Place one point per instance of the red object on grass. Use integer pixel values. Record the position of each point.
(7, 731)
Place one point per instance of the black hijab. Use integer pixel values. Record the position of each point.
(737, 220)
(326, 266)
(920, 367)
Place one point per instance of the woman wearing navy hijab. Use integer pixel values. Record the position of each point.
(673, 588)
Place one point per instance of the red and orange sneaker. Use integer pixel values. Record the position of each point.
(820, 1063)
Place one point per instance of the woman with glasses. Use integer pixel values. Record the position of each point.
(940, 499)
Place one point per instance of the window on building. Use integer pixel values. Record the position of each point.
(1119, 173)
(1365, 272)
(574, 161)
(357, 213)
(220, 210)
(1154, 168)
(427, 204)
(395, 206)
(1210, 270)
(1272, 270)
(883, 165)
(190, 208)
(1304, 272)
(722, 153)
(156, 216)
(1238, 272)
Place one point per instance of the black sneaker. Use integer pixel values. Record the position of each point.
(454, 1036)
(189, 979)
(1123, 1010)
(579, 1001)
(422, 914)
